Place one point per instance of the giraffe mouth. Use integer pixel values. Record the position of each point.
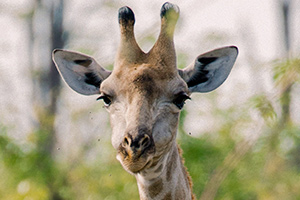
(136, 168)
(135, 161)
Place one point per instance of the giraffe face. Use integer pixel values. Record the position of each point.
(144, 102)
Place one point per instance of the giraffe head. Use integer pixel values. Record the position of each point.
(145, 91)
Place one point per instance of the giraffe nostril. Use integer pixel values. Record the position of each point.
(126, 142)
(137, 143)
(145, 141)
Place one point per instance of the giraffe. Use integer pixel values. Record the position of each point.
(144, 95)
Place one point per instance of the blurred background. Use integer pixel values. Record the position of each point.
(239, 142)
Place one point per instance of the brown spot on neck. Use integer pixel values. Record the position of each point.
(168, 196)
(155, 188)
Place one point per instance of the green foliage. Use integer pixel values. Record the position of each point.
(287, 72)
(35, 174)
(265, 108)
(34, 169)
(265, 172)
(201, 158)
(104, 180)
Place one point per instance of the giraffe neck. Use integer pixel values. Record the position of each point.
(167, 179)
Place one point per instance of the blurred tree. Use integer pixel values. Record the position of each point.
(46, 86)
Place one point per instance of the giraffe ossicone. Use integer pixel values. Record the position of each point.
(144, 94)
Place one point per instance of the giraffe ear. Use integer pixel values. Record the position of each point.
(210, 69)
(81, 72)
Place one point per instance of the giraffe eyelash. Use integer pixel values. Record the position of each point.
(106, 99)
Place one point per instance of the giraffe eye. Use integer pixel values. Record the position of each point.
(179, 101)
(106, 99)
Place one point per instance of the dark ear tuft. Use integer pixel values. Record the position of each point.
(85, 62)
(200, 76)
(92, 79)
(207, 60)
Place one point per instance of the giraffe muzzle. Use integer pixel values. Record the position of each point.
(136, 151)
(137, 146)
